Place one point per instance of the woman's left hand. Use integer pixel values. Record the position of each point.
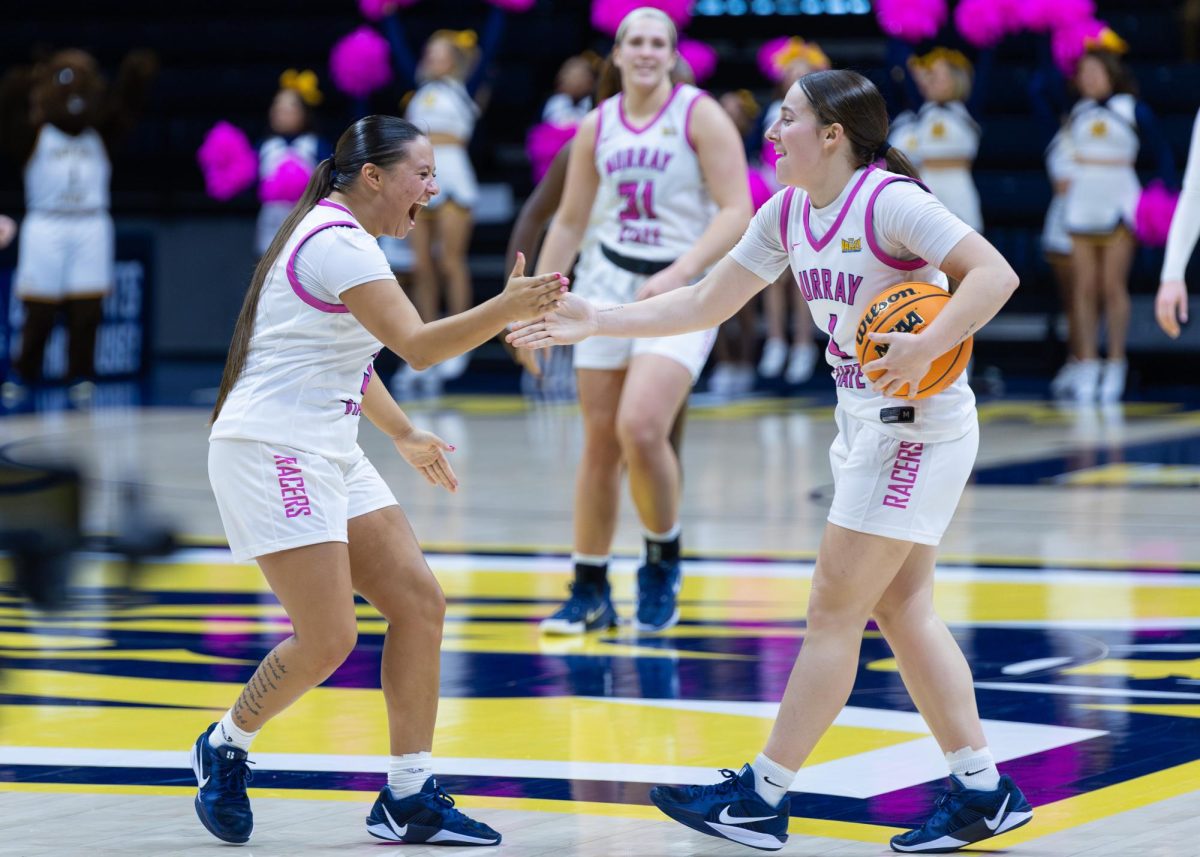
(907, 361)
(426, 452)
(661, 283)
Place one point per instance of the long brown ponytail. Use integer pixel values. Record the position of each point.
(379, 140)
(852, 101)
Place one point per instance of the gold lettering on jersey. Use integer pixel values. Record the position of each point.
(669, 131)
(1099, 128)
(851, 245)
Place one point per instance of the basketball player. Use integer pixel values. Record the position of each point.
(849, 230)
(296, 493)
(665, 168)
(1171, 303)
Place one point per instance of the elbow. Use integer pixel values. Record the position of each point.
(418, 362)
(1010, 281)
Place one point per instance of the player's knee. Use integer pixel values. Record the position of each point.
(639, 435)
(329, 649)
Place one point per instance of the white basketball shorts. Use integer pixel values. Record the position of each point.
(602, 282)
(62, 256)
(272, 498)
(899, 489)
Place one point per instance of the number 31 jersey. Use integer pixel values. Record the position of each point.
(652, 202)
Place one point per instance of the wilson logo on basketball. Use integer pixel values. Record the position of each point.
(875, 309)
(851, 245)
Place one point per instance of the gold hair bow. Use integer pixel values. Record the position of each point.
(1106, 40)
(955, 58)
(464, 40)
(798, 50)
(303, 83)
(748, 102)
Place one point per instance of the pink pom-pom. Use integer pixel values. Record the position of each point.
(374, 10)
(759, 192)
(767, 54)
(513, 5)
(607, 15)
(1068, 43)
(1152, 219)
(1045, 15)
(227, 160)
(360, 63)
(911, 20)
(287, 183)
(983, 23)
(701, 57)
(544, 142)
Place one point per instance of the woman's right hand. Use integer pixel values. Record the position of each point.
(531, 297)
(1171, 306)
(573, 320)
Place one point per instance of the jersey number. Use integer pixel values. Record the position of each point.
(833, 346)
(639, 200)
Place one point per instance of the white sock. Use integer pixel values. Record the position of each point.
(771, 779)
(975, 769)
(227, 732)
(407, 773)
(669, 536)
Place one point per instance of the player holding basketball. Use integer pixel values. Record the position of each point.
(849, 231)
(662, 169)
(296, 493)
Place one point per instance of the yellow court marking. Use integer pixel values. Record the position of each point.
(1139, 669)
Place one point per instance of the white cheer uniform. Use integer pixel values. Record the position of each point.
(943, 132)
(899, 466)
(443, 106)
(1060, 167)
(271, 154)
(1104, 190)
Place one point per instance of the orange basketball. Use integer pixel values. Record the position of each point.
(908, 308)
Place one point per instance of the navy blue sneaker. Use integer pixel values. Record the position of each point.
(221, 803)
(428, 816)
(962, 816)
(730, 810)
(589, 608)
(658, 587)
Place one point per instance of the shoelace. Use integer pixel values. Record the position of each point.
(236, 774)
(446, 803)
(946, 805)
(728, 784)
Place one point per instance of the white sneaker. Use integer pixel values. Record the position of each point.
(774, 356)
(802, 363)
(1086, 383)
(721, 379)
(1112, 381)
(454, 367)
(1061, 385)
(403, 385)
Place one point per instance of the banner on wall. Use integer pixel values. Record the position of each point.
(123, 343)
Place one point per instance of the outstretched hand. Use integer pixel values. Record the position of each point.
(1171, 306)
(574, 319)
(426, 452)
(531, 297)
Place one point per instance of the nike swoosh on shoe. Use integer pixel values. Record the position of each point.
(399, 829)
(726, 818)
(994, 822)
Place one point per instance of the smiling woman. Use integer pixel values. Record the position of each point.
(296, 492)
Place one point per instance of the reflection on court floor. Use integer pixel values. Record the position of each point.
(1088, 680)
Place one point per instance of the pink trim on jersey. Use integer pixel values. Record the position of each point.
(837, 224)
(898, 264)
(657, 116)
(687, 120)
(331, 204)
(315, 303)
(596, 142)
(784, 213)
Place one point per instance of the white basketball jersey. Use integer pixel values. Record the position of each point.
(443, 106)
(67, 174)
(839, 274)
(652, 202)
(309, 360)
(937, 131)
(1105, 132)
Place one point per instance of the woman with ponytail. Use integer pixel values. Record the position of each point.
(296, 492)
(849, 230)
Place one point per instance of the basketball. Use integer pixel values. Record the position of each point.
(908, 308)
